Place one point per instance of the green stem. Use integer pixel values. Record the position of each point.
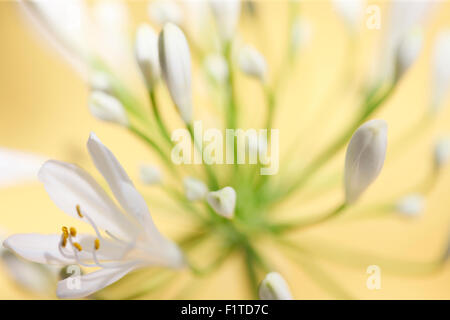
(160, 123)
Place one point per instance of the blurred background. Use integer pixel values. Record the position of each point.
(43, 111)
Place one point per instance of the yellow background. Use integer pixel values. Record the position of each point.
(43, 109)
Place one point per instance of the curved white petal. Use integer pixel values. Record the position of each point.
(69, 186)
(82, 286)
(17, 167)
(45, 248)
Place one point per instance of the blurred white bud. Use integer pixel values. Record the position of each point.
(164, 11)
(107, 108)
(442, 152)
(223, 201)
(217, 68)
(150, 174)
(194, 189)
(411, 205)
(441, 69)
(252, 62)
(226, 14)
(146, 51)
(350, 11)
(365, 158)
(100, 81)
(300, 34)
(274, 287)
(175, 61)
(408, 51)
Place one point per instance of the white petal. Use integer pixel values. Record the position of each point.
(107, 108)
(69, 186)
(44, 248)
(18, 167)
(147, 56)
(91, 282)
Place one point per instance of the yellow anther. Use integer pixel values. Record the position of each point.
(65, 232)
(78, 246)
(79, 211)
(97, 244)
(64, 241)
(73, 232)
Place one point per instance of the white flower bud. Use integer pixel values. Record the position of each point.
(175, 61)
(442, 152)
(274, 287)
(252, 63)
(107, 108)
(194, 189)
(226, 14)
(365, 158)
(351, 11)
(146, 51)
(150, 174)
(223, 201)
(100, 81)
(408, 51)
(441, 69)
(411, 205)
(164, 11)
(300, 34)
(217, 68)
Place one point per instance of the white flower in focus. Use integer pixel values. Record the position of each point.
(408, 51)
(107, 108)
(146, 51)
(150, 174)
(17, 167)
(274, 287)
(175, 61)
(164, 11)
(351, 11)
(411, 205)
(441, 69)
(226, 14)
(130, 239)
(442, 152)
(223, 201)
(252, 62)
(364, 158)
(194, 189)
(217, 68)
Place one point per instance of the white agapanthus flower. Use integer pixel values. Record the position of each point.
(164, 11)
(175, 61)
(105, 107)
(252, 62)
(408, 51)
(150, 174)
(440, 70)
(410, 205)
(365, 157)
(274, 287)
(129, 240)
(351, 12)
(223, 201)
(442, 152)
(146, 52)
(17, 167)
(226, 14)
(194, 189)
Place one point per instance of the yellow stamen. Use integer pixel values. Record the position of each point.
(79, 211)
(73, 231)
(78, 246)
(64, 241)
(65, 232)
(97, 244)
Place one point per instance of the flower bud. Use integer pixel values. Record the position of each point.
(365, 157)
(300, 34)
(107, 108)
(351, 11)
(164, 11)
(194, 189)
(408, 51)
(175, 61)
(226, 14)
(274, 287)
(101, 81)
(411, 205)
(146, 51)
(441, 70)
(223, 201)
(252, 63)
(442, 152)
(150, 174)
(217, 68)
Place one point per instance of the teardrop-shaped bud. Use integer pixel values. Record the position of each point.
(146, 51)
(408, 51)
(223, 201)
(226, 14)
(274, 287)
(105, 107)
(252, 62)
(150, 174)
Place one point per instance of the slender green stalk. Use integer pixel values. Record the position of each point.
(162, 128)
